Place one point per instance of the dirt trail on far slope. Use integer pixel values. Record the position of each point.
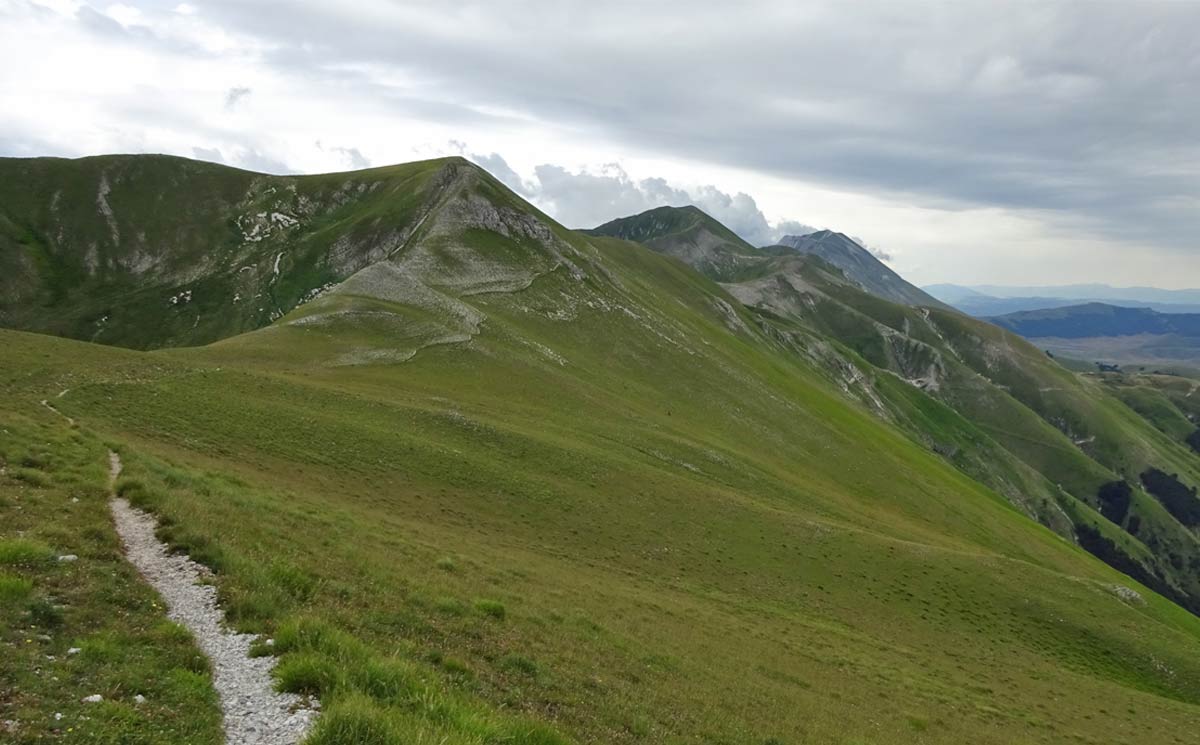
(255, 714)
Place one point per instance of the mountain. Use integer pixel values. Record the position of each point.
(688, 234)
(1092, 291)
(1008, 415)
(697, 239)
(150, 251)
(860, 266)
(1101, 332)
(953, 294)
(486, 479)
(977, 304)
(1098, 319)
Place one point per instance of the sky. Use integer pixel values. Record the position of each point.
(968, 142)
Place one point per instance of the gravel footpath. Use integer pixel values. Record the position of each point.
(255, 714)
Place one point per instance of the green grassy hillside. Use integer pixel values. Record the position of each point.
(515, 484)
(151, 251)
(692, 236)
(1016, 420)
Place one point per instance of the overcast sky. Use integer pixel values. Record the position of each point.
(969, 142)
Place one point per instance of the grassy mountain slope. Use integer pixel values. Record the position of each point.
(1045, 438)
(690, 235)
(518, 484)
(148, 251)
(1168, 402)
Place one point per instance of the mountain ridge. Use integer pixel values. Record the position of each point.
(262, 245)
(503, 481)
(980, 305)
(689, 234)
(1098, 319)
(997, 383)
(861, 266)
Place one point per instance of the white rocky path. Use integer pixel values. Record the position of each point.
(255, 714)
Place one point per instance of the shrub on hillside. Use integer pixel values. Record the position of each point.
(1174, 495)
(1104, 549)
(1114, 500)
(1194, 440)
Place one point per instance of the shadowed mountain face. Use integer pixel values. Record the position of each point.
(1107, 333)
(481, 466)
(860, 267)
(1098, 319)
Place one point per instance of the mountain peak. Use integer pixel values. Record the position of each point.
(860, 266)
(688, 233)
(223, 251)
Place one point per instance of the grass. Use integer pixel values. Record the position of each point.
(96, 604)
(1010, 416)
(663, 574)
(491, 608)
(24, 552)
(662, 521)
(188, 213)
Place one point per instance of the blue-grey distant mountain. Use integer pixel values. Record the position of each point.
(987, 301)
(1106, 333)
(1098, 319)
(1088, 291)
(860, 267)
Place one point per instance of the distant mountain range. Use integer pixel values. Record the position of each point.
(695, 238)
(1098, 319)
(985, 301)
(1102, 332)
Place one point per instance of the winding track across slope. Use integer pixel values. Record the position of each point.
(255, 714)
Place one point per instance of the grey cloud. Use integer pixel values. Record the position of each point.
(234, 95)
(791, 227)
(212, 155)
(1059, 107)
(584, 200)
(351, 155)
(499, 168)
(253, 160)
(738, 212)
(356, 159)
(875, 251)
(97, 22)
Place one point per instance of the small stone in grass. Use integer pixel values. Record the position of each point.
(74, 650)
(68, 557)
(95, 698)
(139, 699)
